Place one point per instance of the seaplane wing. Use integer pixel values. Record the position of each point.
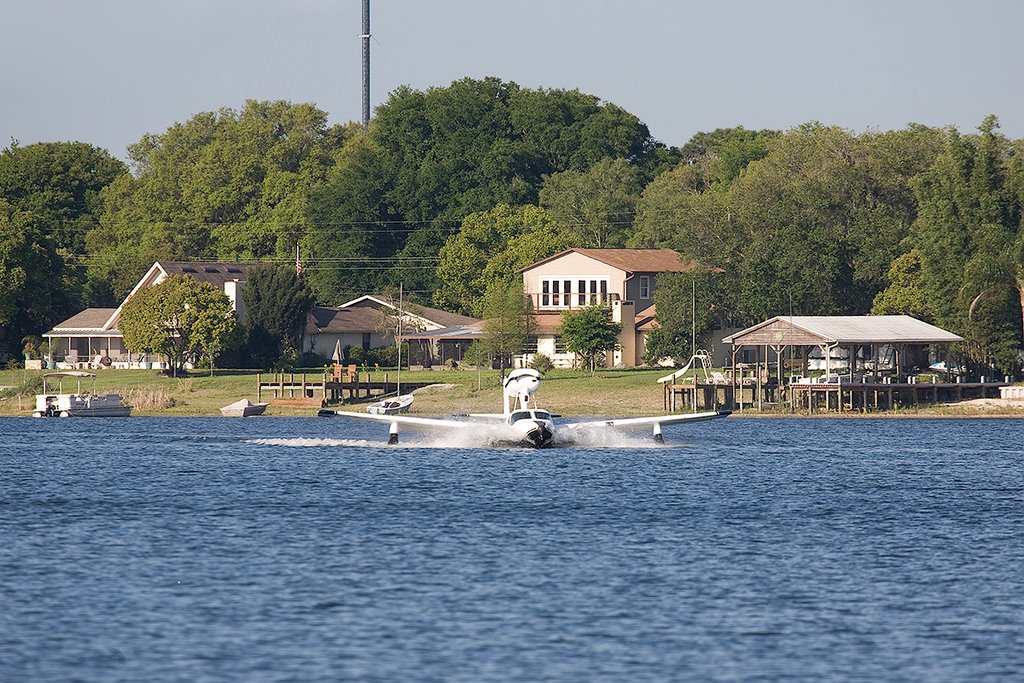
(576, 430)
(421, 424)
(630, 423)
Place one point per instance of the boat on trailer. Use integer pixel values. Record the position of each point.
(57, 403)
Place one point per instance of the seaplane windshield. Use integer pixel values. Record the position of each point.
(529, 415)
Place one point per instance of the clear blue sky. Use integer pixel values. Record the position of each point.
(108, 71)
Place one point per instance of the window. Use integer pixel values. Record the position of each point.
(564, 292)
(645, 286)
(559, 344)
(531, 344)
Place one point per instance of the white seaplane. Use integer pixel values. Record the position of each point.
(522, 423)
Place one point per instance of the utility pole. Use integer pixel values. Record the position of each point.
(365, 37)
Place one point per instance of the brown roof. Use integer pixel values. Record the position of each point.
(446, 318)
(214, 273)
(631, 260)
(324, 320)
(645, 319)
(434, 315)
(89, 319)
(364, 316)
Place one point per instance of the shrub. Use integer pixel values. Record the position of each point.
(541, 363)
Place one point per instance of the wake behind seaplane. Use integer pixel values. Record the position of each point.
(521, 423)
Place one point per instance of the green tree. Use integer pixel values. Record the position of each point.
(277, 304)
(60, 183)
(226, 184)
(688, 305)
(968, 232)
(596, 206)
(34, 287)
(180, 318)
(492, 245)
(904, 295)
(508, 320)
(724, 152)
(589, 331)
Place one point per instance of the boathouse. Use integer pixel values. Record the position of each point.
(835, 363)
(847, 362)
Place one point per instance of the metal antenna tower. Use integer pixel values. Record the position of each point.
(365, 37)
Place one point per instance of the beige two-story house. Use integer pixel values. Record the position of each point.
(623, 279)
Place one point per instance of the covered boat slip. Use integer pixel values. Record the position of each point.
(834, 362)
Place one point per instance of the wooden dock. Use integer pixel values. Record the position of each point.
(318, 391)
(698, 394)
(864, 396)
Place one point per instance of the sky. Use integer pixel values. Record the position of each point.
(108, 72)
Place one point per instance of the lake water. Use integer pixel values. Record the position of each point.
(277, 549)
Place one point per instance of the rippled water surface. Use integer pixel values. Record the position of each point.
(275, 549)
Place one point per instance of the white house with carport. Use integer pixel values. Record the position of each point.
(364, 322)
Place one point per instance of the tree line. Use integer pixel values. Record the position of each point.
(455, 188)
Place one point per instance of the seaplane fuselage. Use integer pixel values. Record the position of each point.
(521, 423)
(533, 427)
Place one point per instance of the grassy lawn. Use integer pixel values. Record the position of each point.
(571, 393)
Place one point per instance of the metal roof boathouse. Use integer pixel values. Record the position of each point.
(861, 361)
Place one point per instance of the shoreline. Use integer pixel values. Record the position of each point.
(573, 394)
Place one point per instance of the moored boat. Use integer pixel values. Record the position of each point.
(391, 406)
(79, 404)
(243, 408)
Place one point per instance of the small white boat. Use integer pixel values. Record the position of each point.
(243, 408)
(80, 404)
(391, 406)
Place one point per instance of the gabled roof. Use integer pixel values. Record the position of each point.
(630, 260)
(431, 315)
(94, 320)
(843, 329)
(361, 315)
(325, 320)
(213, 272)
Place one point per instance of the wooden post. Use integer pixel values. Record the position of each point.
(259, 388)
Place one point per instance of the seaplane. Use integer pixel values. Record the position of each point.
(521, 423)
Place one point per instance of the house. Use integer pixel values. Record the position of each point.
(91, 338)
(624, 279)
(362, 322)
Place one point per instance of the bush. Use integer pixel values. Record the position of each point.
(309, 359)
(31, 387)
(541, 363)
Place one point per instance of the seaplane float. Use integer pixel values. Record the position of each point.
(522, 423)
